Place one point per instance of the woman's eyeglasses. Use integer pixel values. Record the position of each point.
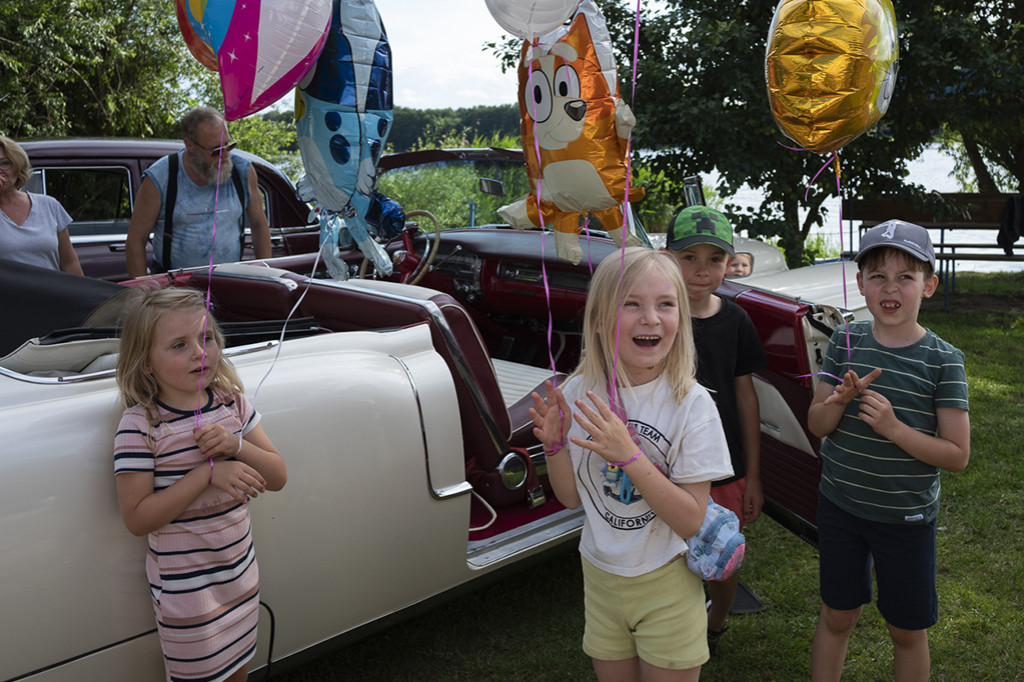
(6, 164)
(216, 151)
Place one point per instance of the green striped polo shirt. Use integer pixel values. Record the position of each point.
(865, 473)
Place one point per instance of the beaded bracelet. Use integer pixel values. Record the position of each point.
(628, 461)
(556, 447)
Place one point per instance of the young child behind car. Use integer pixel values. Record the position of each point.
(189, 452)
(742, 264)
(643, 487)
(728, 353)
(897, 416)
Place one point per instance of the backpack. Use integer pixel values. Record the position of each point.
(716, 551)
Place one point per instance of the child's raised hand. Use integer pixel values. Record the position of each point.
(216, 441)
(550, 421)
(609, 437)
(851, 387)
(237, 479)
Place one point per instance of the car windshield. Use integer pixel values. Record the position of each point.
(458, 193)
(465, 192)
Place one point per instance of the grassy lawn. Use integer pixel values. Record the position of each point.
(528, 627)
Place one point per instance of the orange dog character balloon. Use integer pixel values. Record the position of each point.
(571, 111)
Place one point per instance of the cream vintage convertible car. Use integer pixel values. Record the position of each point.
(399, 408)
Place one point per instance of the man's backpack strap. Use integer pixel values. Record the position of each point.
(236, 179)
(170, 195)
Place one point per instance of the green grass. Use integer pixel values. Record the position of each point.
(528, 626)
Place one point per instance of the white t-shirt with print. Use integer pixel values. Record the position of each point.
(622, 534)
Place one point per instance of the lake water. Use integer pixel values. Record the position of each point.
(933, 170)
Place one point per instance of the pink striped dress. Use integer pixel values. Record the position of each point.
(202, 566)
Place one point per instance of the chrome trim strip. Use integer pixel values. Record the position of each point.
(289, 284)
(78, 378)
(439, 494)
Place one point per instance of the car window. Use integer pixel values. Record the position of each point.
(97, 199)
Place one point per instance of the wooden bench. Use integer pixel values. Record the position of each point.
(946, 213)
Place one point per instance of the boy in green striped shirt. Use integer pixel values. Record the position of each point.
(895, 418)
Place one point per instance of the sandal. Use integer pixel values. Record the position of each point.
(713, 637)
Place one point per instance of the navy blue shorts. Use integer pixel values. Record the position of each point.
(903, 559)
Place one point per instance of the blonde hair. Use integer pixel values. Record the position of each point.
(17, 156)
(613, 280)
(138, 386)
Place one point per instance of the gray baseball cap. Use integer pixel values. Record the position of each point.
(901, 235)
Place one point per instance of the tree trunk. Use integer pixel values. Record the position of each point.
(985, 181)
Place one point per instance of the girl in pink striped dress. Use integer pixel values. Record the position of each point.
(188, 455)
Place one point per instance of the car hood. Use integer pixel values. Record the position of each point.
(833, 284)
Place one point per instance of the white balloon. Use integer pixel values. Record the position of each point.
(528, 18)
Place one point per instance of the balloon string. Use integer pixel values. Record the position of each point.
(284, 328)
(613, 382)
(792, 149)
(629, 136)
(833, 160)
(842, 261)
(543, 236)
(209, 277)
(828, 162)
(540, 216)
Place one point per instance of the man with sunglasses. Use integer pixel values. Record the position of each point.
(196, 204)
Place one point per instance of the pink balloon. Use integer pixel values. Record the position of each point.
(263, 48)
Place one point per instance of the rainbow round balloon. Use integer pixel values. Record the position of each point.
(830, 68)
(260, 48)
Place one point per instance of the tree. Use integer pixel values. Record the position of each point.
(701, 103)
(967, 65)
(96, 67)
(426, 127)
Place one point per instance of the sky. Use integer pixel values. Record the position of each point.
(439, 58)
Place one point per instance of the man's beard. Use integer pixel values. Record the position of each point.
(208, 171)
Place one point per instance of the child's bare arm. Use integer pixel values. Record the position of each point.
(145, 510)
(551, 421)
(750, 430)
(822, 418)
(949, 450)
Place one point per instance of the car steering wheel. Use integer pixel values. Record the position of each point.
(419, 267)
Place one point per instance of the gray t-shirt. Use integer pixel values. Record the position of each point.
(194, 221)
(35, 241)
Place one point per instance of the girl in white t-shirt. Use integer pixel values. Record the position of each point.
(639, 452)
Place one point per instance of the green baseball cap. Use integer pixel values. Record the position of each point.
(700, 225)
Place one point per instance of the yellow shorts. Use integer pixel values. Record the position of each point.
(659, 616)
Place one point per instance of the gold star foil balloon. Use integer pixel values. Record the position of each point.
(830, 67)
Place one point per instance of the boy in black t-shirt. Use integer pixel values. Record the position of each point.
(728, 353)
